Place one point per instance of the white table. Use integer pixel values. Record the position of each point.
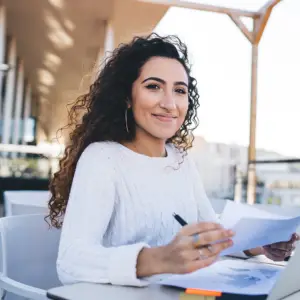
(90, 291)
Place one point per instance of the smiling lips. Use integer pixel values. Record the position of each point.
(164, 117)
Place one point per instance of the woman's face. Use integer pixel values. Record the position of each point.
(160, 97)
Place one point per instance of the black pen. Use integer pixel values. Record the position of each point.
(179, 220)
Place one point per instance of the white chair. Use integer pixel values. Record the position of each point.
(25, 202)
(28, 257)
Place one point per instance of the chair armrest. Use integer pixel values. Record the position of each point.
(21, 289)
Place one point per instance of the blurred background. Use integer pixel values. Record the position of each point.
(50, 51)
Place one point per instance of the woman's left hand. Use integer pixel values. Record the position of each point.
(282, 250)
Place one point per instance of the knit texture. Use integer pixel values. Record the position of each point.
(121, 202)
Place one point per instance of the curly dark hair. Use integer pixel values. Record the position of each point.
(104, 106)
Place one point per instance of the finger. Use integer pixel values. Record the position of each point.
(295, 237)
(199, 228)
(274, 255)
(212, 250)
(277, 258)
(274, 251)
(199, 264)
(211, 237)
(282, 246)
(277, 253)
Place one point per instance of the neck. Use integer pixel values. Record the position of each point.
(147, 145)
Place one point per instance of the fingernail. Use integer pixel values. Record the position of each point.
(230, 232)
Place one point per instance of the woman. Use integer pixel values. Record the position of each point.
(126, 171)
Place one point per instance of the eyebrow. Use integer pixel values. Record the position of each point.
(164, 82)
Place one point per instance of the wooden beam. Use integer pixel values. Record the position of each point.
(265, 13)
(251, 187)
(204, 7)
(270, 3)
(239, 23)
(262, 25)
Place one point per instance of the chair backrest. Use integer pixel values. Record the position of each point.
(29, 250)
(25, 202)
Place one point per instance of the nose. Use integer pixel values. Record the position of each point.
(168, 101)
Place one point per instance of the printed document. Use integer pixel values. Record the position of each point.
(230, 276)
(254, 227)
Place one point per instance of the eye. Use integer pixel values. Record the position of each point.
(152, 86)
(180, 91)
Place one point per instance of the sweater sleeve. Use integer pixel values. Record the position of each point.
(82, 256)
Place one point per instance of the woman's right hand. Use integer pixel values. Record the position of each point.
(182, 255)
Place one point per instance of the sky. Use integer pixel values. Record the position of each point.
(221, 59)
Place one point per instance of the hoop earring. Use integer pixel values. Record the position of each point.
(126, 122)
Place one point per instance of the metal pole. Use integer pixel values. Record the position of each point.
(2, 51)
(18, 104)
(27, 113)
(9, 93)
(238, 184)
(251, 187)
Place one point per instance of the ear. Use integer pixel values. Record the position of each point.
(128, 103)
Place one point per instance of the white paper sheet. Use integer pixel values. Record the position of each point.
(254, 227)
(230, 276)
(233, 212)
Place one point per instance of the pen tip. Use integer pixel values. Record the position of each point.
(174, 214)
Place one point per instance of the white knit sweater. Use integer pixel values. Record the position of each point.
(120, 202)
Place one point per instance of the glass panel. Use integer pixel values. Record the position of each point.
(25, 166)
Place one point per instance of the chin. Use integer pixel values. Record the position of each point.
(163, 135)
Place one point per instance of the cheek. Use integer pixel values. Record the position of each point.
(183, 109)
(141, 110)
(143, 103)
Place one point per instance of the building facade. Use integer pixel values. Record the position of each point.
(223, 169)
